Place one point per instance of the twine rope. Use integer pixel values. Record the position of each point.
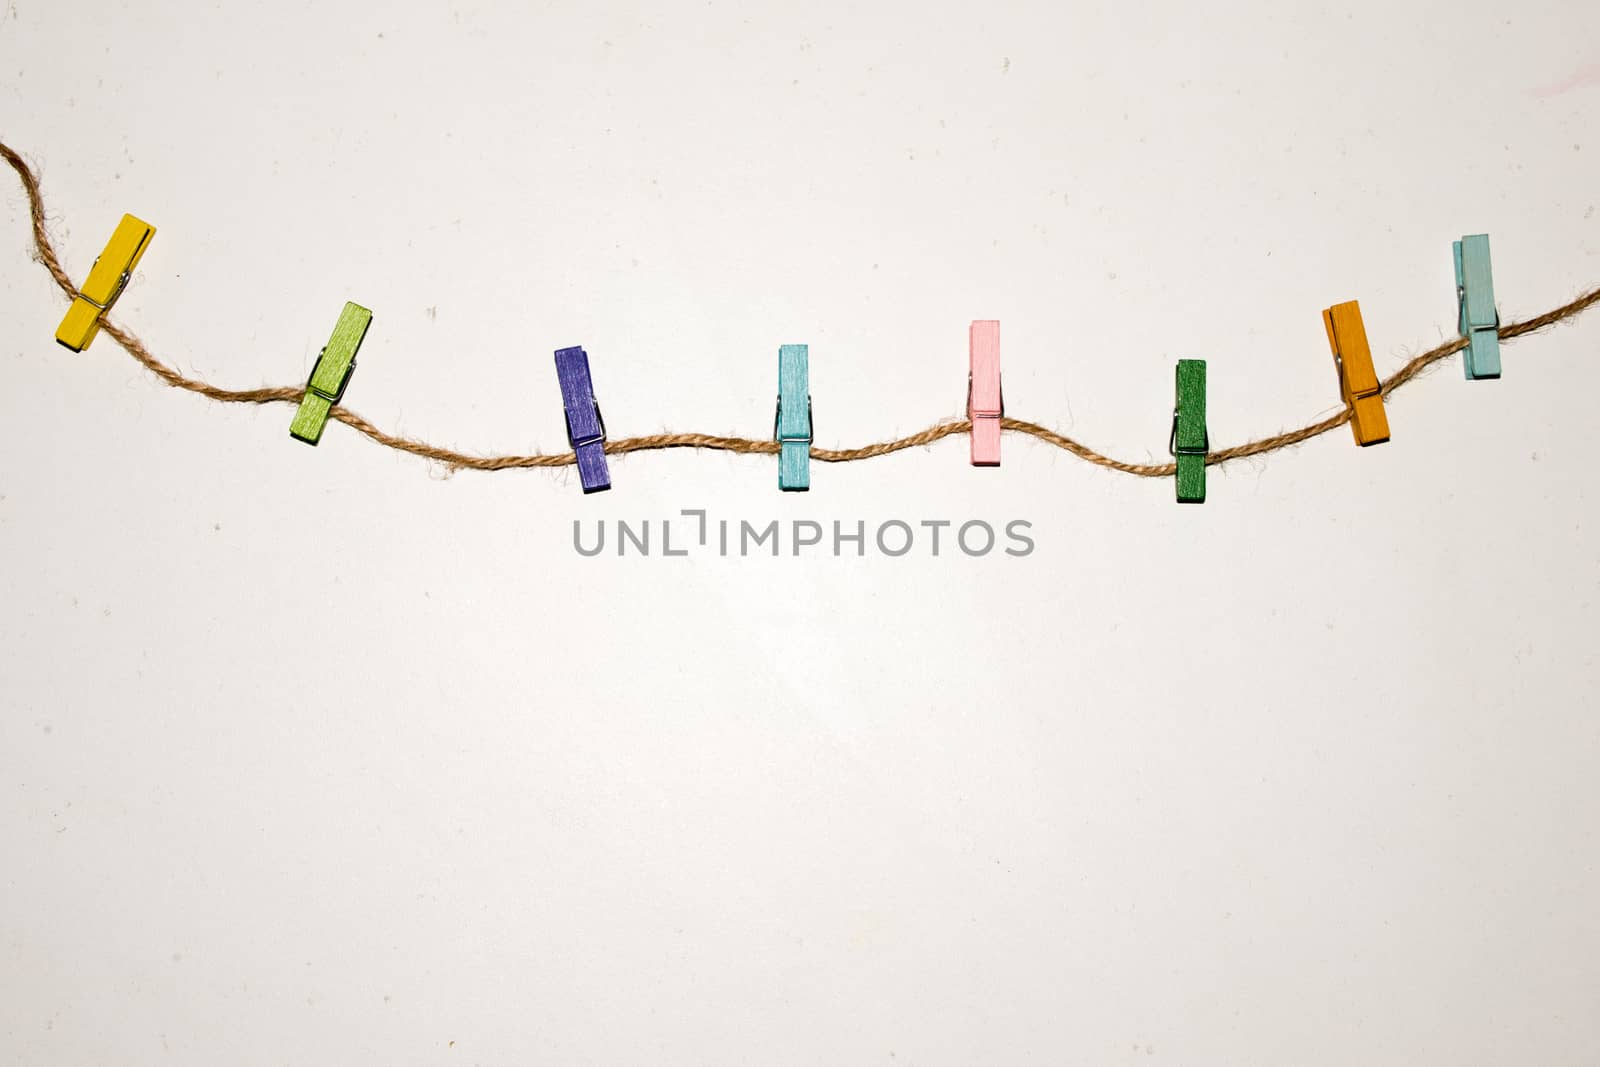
(45, 252)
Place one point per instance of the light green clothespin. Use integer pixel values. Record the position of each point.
(331, 374)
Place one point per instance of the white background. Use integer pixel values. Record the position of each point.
(320, 756)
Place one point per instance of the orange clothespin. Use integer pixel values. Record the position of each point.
(1358, 382)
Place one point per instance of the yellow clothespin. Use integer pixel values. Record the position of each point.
(1358, 381)
(107, 278)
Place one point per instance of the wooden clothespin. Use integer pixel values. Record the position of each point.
(792, 422)
(107, 278)
(1479, 321)
(1190, 440)
(985, 401)
(586, 429)
(1358, 382)
(331, 374)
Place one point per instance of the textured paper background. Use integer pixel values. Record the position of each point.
(317, 756)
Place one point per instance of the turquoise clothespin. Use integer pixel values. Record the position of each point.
(792, 424)
(1190, 442)
(1479, 321)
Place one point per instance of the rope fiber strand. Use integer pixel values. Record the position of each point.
(454, 460)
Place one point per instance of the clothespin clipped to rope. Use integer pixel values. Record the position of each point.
(1358, 381)
(792, 427)
(107, 279)
(1190, 440)
(586, 429)
(1479, 322)
(331, 374)
(985, 402)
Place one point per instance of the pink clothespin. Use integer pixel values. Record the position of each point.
(985, 402)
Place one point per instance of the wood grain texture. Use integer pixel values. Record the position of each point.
(1478, 321)
(79, 325)
(1358, 380)
(310, 418)
(984, 406)
(793, 423)
(331, 374)
(1190, 441)
(586, 431)
(107, 279)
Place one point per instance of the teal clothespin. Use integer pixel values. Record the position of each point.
(1190, 442)
(331, 374)
(792, 424)
(1479, 321)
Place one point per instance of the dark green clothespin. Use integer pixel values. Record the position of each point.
(1190, 442)
(331, 374)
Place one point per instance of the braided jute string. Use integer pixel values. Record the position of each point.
(462, 461)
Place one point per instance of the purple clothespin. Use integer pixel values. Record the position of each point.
(586, 430)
